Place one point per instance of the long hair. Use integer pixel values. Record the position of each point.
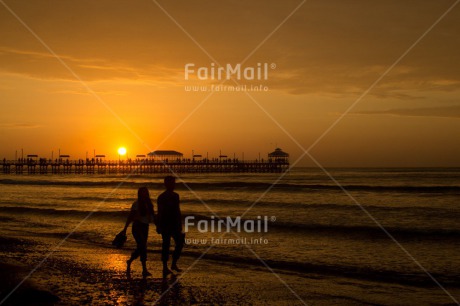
(144, 201)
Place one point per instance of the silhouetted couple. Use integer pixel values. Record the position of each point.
(168, 223)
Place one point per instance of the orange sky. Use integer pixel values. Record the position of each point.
(118, 79)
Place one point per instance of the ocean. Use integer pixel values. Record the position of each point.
(308, 224)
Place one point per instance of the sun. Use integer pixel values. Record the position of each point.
(122, 151)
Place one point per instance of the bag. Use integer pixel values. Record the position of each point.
(119, 240)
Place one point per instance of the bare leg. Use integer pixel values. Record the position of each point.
(145, 272)
(128, 268)
(179, 244)
(175, 267)
(166, 270)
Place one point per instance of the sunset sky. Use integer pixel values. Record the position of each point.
(116, 78)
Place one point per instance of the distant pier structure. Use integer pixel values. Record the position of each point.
(160, 161)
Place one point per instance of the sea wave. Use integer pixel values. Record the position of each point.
(310, 269)
(220, 204)
(357, 272)
(313, 269)
(351, 231)
(244, 185)
(64, 212)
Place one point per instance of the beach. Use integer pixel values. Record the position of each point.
(315, 247)
(77, 274)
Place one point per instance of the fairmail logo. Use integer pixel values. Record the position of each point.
(258, 225)
(229, 71)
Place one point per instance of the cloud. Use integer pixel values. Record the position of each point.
(83, 91)
(452, 111)
(12, 126)
(327, 47)
(44, 65)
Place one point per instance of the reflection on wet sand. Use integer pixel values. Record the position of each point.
(160, 291)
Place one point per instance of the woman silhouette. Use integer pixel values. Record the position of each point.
(142, 213)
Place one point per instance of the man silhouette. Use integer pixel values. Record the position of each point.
(170, 224)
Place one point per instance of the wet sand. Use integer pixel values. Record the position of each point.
(79, 273)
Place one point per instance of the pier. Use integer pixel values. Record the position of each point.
(139, 166)
(155, 162)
